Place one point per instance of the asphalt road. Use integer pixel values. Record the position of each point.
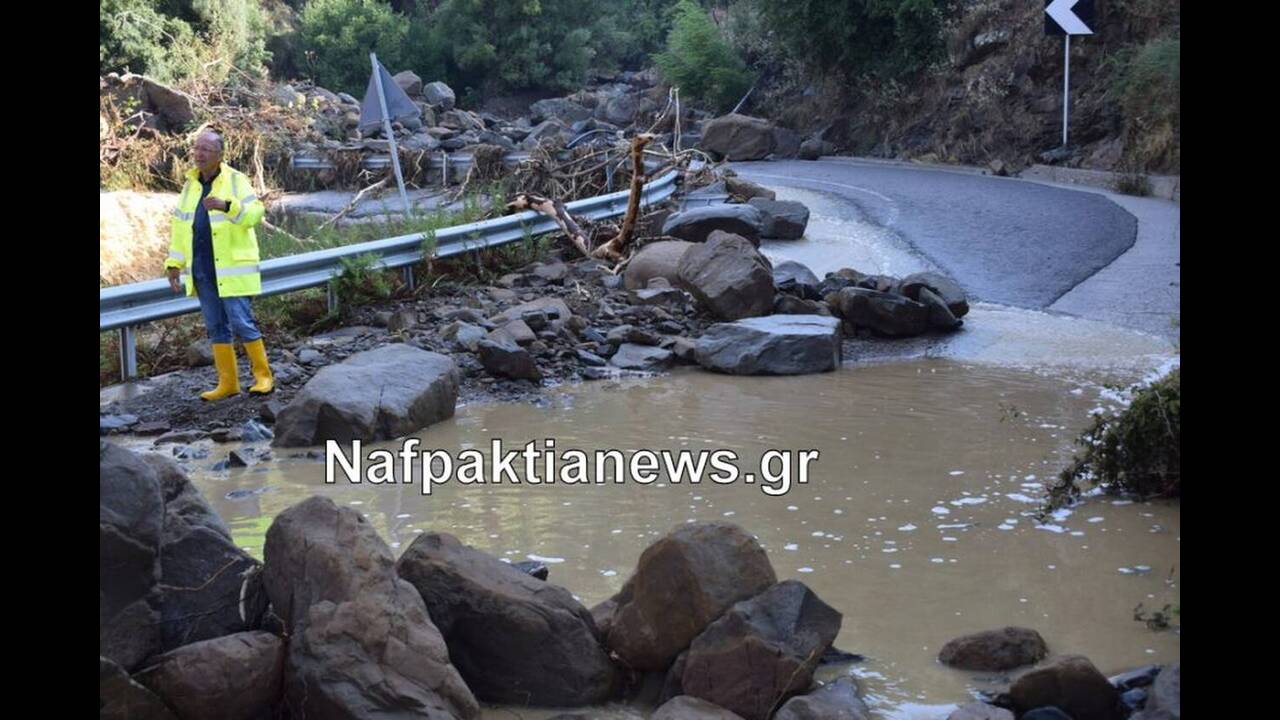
(1004, 240)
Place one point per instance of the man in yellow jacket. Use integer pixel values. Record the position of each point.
(214, 252)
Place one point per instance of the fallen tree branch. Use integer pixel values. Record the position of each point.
(555, 210)
(615, 248)
(352, 205)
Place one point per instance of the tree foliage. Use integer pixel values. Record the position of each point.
(700, 61)
(885, 37)
(174, 40)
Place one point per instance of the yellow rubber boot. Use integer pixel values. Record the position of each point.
(263, 382)
(224, 359)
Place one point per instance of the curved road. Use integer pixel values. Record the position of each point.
(1004, 240)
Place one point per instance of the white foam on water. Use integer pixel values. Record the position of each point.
(791, 546)
(804, 569)
(541, 559)
(1052, 528)
(939, 510)
(1019, 497)
(907, 528)
(969, 501)
(954, 473)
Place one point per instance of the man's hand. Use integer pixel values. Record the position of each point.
(173, 280)
(213, 203)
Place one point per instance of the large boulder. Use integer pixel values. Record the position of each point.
(697, 224)
(562, 109)
(120, 697)
(1070, 683)
(745, 190)
(208, 584)
(619, 110)
(772, 345)
(789, 275)
(786, 143)
(783, 219)
(659, 259)
(836, 700)
(236, 677)
(514, 638)
(409, 82)
(945, 288)
(173, 109)
(995, 650)
(761, 650)
(130, 519)
(738, 137)
(361, 642)
(439, 95)
(884, 313)
(708, 567)
(378, 394)
(685, 707)
(728, 276)
(543, 131)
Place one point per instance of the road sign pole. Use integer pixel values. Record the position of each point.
(391, 137)
(1066, 84)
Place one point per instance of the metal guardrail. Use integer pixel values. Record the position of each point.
(125, 307)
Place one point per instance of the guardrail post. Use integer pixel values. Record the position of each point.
(128, 353)
(408, 277)
(333, 299)
(444, 169)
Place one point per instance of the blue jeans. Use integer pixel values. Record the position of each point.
(223, 316)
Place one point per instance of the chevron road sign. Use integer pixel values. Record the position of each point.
(1067, 18)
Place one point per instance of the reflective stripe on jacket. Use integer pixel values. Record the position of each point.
(235, 245)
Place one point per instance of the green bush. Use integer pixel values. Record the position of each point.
(1137, 452)
(336, 37)
(700, 61)
(492, 45)
(180, 40)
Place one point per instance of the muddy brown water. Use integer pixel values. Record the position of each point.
(917, 521)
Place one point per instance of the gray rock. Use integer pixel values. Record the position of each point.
(761, 650)
(685, 707)
(746, 190)
(401, 320)
(641, 357)
(697, 224)
(310, 356)
(1164, 701)
(656, 260)
(836, 700)
(792, 305)
(619, 110)
(361, 642)
(590, 359)
(940, 317)
(378, 394)
(1070, 683)
(887, 314)
(502, 357)
(773, 345)
(494, 618)
(464, 335)
(783, 219)
(181, 437)
(738, 137)
(728, 276)
(814, 148)
(789, 273)
(130, 518)
(517, 331)
(709, 565)
(200, 353)
(562, 109)
(439, 95)
(115, 423)
(553, 307)
(659, 296)
(203, 572)
(122, 698)
(409, 82)
(489, 137)
(944, 287)
(155, 427)
(235, 677)
(980, 711)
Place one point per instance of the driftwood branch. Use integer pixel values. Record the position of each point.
(615, 249)
(555, 210)
(351, 205)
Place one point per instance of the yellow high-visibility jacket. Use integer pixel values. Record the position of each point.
(235, 245)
